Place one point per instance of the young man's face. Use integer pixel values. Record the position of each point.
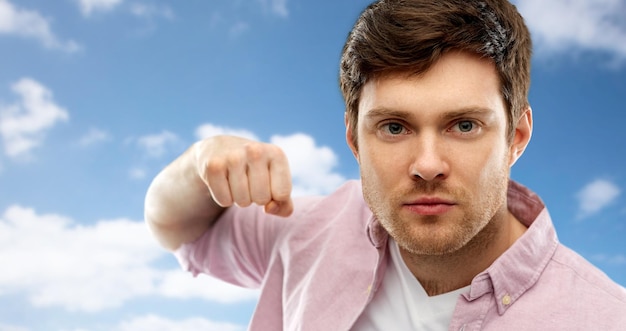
(433, 153)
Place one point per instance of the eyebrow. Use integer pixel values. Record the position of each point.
(468, 111)
(386, 112)
(456, 113)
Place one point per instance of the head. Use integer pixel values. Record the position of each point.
(409, 36)
(436, 114)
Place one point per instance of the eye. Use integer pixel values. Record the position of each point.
(394, 128)
(465, 126)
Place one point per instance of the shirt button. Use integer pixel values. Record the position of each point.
(506, 300)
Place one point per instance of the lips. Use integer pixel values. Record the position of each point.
(429, 206)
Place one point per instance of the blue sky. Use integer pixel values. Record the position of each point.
(96, 96)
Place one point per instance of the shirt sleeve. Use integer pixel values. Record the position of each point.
(239, 246)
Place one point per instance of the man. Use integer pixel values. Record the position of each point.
(435, 236)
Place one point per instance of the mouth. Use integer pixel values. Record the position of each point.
(429, 206)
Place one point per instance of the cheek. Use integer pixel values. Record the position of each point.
(381, 167)
(370, 168)
(488, 165)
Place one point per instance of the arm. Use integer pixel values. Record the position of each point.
(190, 194)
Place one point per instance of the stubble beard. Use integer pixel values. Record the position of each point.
(442, 235)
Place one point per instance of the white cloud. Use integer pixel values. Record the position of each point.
(156, 145)
(560, 26)
(87, 7)
(91, 268)
(23, 124)
(30, 24)
(85, 268)
(94, 136)
(312, 166)
(182, 285)
(210, 130)
(156, 323)
(149, 11)
(144, 10)
(595, 196)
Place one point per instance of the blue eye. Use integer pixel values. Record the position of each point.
(465, 126)
(394, 128)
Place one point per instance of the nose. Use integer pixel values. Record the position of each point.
(429, 158)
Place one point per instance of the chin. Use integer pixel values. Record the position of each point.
(431, 238)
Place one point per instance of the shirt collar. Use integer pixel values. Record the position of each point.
(519, 267)
(377, 234)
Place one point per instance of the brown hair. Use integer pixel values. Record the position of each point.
(411, 35)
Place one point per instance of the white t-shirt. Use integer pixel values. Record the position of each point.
(401, 303)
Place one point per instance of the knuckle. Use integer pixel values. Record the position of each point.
(235, 160)
(215, 167)
(255, 151)
(277, 151)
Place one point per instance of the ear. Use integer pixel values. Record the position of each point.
(349, 138)
(523, 132)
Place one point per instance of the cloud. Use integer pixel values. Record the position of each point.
(156, 323)
(143, 10)
(311, 165)
(177, 284)
(560, 26)
(210, 130)
(30, 24)
(88, 7)
(92, 268)
(596, 196)
(79, 268)
(150, 11)
(156, 145)
(23, 124)
(94, 136)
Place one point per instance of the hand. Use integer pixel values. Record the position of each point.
(242, 172)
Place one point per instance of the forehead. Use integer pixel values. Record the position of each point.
(458, 81)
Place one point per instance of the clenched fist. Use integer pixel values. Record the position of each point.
(244, 172)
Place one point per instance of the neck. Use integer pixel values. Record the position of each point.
(440, 274)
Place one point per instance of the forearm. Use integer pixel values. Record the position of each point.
(186, 197)
(178, 204)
